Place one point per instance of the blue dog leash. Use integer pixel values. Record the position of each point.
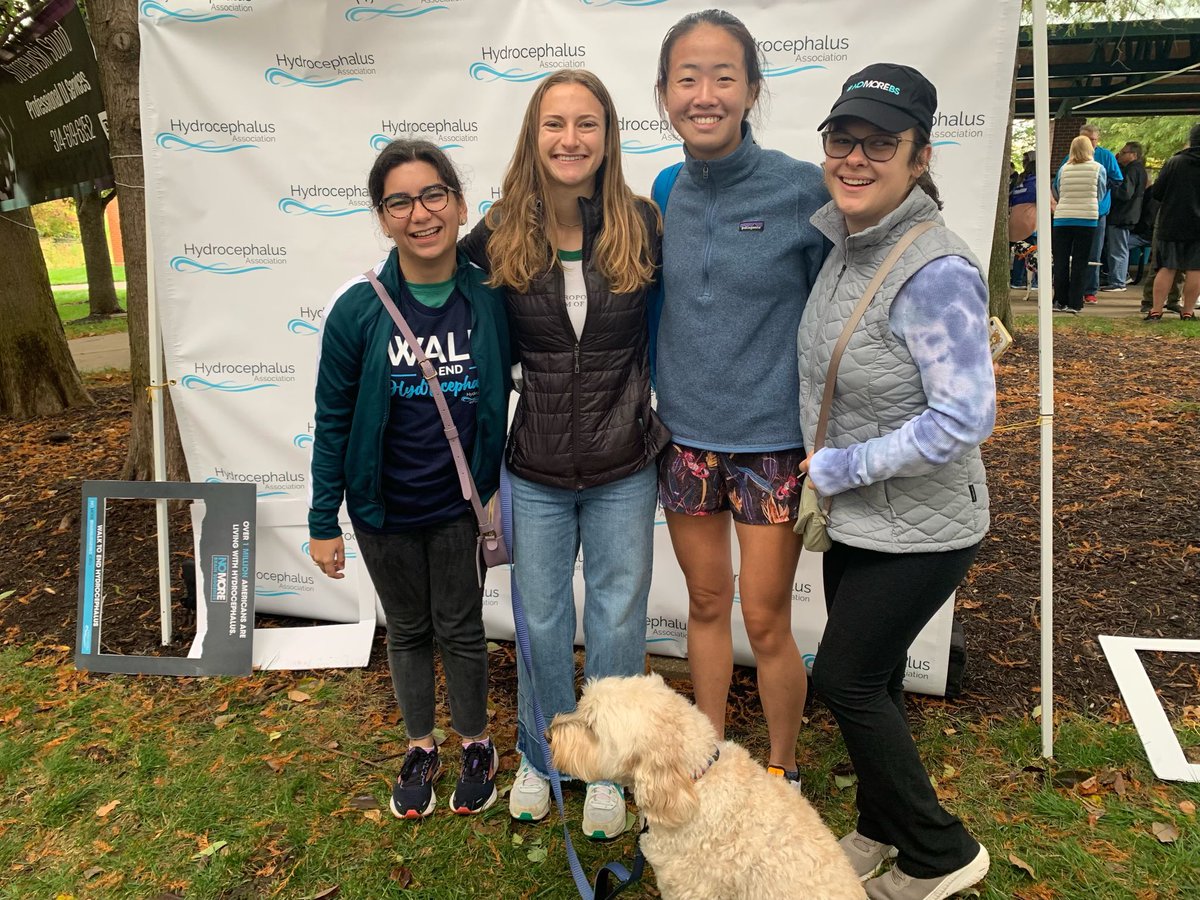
(609, 871)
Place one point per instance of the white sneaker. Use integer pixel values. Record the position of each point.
(529, 799)
(895, 885)
(603, 811)
(867, 857)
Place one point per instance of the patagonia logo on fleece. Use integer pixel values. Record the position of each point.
(751, 225)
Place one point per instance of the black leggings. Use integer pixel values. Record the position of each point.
(878, 603)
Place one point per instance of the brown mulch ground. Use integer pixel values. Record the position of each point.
(1126, 529)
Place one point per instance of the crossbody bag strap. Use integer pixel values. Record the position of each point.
(487, 527)
(835, 359)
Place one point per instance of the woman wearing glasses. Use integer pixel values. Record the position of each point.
(379, 443)
(577, 253)
(914, 398)
(739, 257)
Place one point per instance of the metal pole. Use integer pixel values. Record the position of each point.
(1041, 107)
(158, 441)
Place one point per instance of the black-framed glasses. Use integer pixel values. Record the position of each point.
(876, 147)
(434, 198)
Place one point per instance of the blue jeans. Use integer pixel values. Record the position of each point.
(1092, 284)
(614, 523)
(1117, 244)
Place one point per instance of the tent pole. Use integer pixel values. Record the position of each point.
(158, 443)
(1041, 106)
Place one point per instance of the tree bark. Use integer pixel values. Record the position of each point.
(102, 292)
(37, 374)
(114, 29)
(999, 270)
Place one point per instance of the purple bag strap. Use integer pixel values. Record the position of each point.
(487, 526)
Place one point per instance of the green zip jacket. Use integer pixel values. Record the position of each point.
(353, 402)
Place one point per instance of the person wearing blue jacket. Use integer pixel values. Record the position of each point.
(379, 444)
(1114, 175)
(739, 257)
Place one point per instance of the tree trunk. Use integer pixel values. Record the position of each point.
(102, 293)
(37, 374)
(999, 269)
(114, 29)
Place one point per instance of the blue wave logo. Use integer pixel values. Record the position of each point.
(171, 141)
(639, 149)
(663, 640)
(153, 10)
(259, 592)
(211, 480)
(301, 327)
(395, 11)
(809, 659)
(946, 144)
(481, 71)
(196, 383)
(783, 71)
(596, 4)
(295, 207)
(282, 78)
(484, 206)
(303, 440)
(187, 264)
(379, 141)
(350, 554)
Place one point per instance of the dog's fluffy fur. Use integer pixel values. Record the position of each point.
(734, 832)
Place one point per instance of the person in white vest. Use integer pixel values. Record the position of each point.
(899, 466)
(1078, 187)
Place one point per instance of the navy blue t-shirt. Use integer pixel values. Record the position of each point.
(420, 484)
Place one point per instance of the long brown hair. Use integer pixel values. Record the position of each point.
(523, 219)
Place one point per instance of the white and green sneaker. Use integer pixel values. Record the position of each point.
(529, 799)
(604, 811)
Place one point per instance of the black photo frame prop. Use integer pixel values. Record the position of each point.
(226, 553)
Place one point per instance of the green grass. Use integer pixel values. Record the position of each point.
(198, 762)
(73, 309)
(1171, 326)
(78, 274)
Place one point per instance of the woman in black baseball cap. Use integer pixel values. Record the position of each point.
(899, 463)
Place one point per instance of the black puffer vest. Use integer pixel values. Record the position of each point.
(583, 417)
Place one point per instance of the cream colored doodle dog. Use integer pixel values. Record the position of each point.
(720, 827)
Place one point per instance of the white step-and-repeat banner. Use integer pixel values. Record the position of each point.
(261, 119)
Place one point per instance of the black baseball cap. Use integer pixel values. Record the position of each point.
(889, 95)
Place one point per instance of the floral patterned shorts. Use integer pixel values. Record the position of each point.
(759, 488)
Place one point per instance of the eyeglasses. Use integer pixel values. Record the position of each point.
(876, 147)
(434, 198)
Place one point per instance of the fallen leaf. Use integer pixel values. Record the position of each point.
(223, 707)
(1119, 784)
(221, 721)
(517, 839)
(274, 735)
(1022, 865)
(1187, 807)
(325, 894)
(1165, 832)
(841, 782)
(7, 594)
(373, 814)
(107, 808)
(212, 848)
(492, 646)
(537, 854)
(298, 696)
(89, 874)
(402, 876)
(364, 801)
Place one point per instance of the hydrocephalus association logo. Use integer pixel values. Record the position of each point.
(154, 11)
(304, 200)
(215, 136)
(448, 134)
(305, 323)
(267, 484)
(803, 54)
(950, 129)
(544, 58)
(367, 11)
(653, 136)
(228, 259)
(246, 377)
(319, 72)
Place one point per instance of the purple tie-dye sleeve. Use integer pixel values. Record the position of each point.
(941, 315)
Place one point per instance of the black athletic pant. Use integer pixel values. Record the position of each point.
(878, 603)
(1072, 246)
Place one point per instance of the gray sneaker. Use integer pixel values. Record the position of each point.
(867, 857)
(895, 885)
(603, 811)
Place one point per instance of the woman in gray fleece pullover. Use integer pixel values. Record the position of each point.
(739, 256)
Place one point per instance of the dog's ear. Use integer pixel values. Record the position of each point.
(663, 790)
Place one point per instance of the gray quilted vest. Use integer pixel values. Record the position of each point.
(879, 388)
